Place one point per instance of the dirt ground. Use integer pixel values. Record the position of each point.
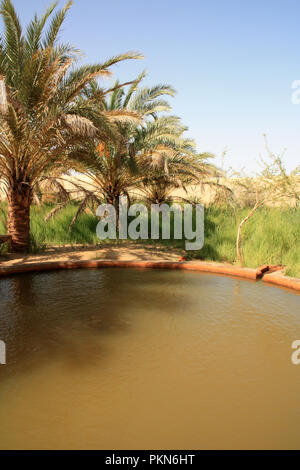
(124, 252)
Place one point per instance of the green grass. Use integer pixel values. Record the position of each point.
(55, 231)
(272, 235)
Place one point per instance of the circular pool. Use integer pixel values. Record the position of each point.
(130, 359)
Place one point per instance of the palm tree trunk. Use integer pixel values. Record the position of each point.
(113, 199)
(18, 216)
(116, 206)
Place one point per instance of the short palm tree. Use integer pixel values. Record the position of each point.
(151, 155)
(43, 114)
(176, 171)
(167, 160)
(113, 167)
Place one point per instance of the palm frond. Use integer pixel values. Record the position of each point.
(56, 24)
(133, 88)
(12, 39)
(35, 29)
(80, 125)
(3, 96)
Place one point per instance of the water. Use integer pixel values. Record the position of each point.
(130, 359)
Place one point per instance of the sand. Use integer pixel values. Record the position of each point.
(124, 252)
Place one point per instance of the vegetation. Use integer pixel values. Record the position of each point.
(43, 114)
(55, 119)
(273, 185)
(151, 153)
(271, 236)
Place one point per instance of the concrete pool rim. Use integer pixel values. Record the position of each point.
(268, 273)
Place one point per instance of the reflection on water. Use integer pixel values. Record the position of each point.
(147, 359)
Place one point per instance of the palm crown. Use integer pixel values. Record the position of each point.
(115, 166)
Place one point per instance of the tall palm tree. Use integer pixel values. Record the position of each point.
(43, 115)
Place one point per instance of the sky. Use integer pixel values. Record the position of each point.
(232, 62)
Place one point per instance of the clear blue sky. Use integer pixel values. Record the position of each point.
(231, 61)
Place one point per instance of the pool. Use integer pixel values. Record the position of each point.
(147, 359)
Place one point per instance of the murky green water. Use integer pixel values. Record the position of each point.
(129, 359)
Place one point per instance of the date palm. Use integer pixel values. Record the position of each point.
(151, 154)
(43, 115)
(174, 170)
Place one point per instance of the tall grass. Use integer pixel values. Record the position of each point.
(56, 230)
(271, 236)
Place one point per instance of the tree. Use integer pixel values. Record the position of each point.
(150, 155)
(167, 160)
(272, 185)
(43, 114)
(114, 166)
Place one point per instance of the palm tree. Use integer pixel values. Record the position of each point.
(150, 155)
(178, 171)
(113, 167)
(167, 160)
(43, 114)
